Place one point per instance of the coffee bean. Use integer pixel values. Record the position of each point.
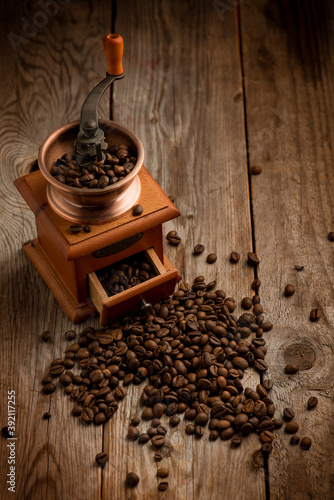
(330, 236)
(137, 210)
(236, 441)
(294, 440)
(87, 415)
(267, 447)
(131, 480)
(234, 257)
(163, 486)
(266, 326)
(190, 429)
(86, 228)
(45, 337)
(5, 432)
(255, 170)
(76, 228)
(101, 458)
(174, 240)
(305, 443)
(76, 410)
(211, 258)
(257, 310)
(143, 438)
(256, 284)
(158, 440)
(291, 368)
(174, 421)
(172, 198)
(133, 433)
(291, 427)
(289, 290)
(252, 259)
(99, 419)
(46, 380)
(246, 303)
(46, 415)
(299, 268)
(70, 335)
(163, 472)
(288, 414)
(198, 249)
(277, 423)
(312, 402)
(49, 388)
(135, 421)
(65, 379)
(315, 315)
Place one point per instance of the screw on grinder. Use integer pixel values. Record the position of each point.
(90, 142)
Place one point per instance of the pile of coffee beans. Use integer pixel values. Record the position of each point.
(118, 163)
(125, 274)
(193, 353)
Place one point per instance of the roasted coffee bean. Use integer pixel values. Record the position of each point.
(198, 249)
(135, 421)
(163, 472)
(101, 458)
(174, 240)
(158, 440)
(330, 236)
(211, 258)
(268, 384)
(305, 443)
(266, 437)
(143, 438)
(246, 303)
(65, 379)
(266, 326)
(294, 440)
(288, 414)
(256, 284)
(299, 268)
(76, 410)
(315, 315)
(291, 368)
(190, 429)
(76, 228)
(236, 441)
(87, 415)
(56, 370)
(137, 210)
(174, 421)
(252, 259)
(99, 418)
(267, 447)
(277, 423)
(291, 427)
(255, 170)
(87, 229)
(312, 402)
(46, 415)
(289, 290)
(163, 486)
(46, 380)
(234, 257)
(172, 198)
(70, 335)
(46, 335)
(49, 388)
(133, 433)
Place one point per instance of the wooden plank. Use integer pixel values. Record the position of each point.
(43, 86)
(181, 95)
(288, 62)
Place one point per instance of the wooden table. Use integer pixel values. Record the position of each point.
(211, 90)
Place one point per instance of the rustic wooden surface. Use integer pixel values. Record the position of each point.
(205, 83)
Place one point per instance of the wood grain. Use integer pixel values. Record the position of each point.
(43, 86)
(178, 95)
(288, 63)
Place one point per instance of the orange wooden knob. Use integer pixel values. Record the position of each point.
(113, 48)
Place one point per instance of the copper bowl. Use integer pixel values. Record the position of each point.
(90, 206)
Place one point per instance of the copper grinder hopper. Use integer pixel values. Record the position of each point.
(91, 137)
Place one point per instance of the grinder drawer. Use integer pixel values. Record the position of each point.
(160, 286)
